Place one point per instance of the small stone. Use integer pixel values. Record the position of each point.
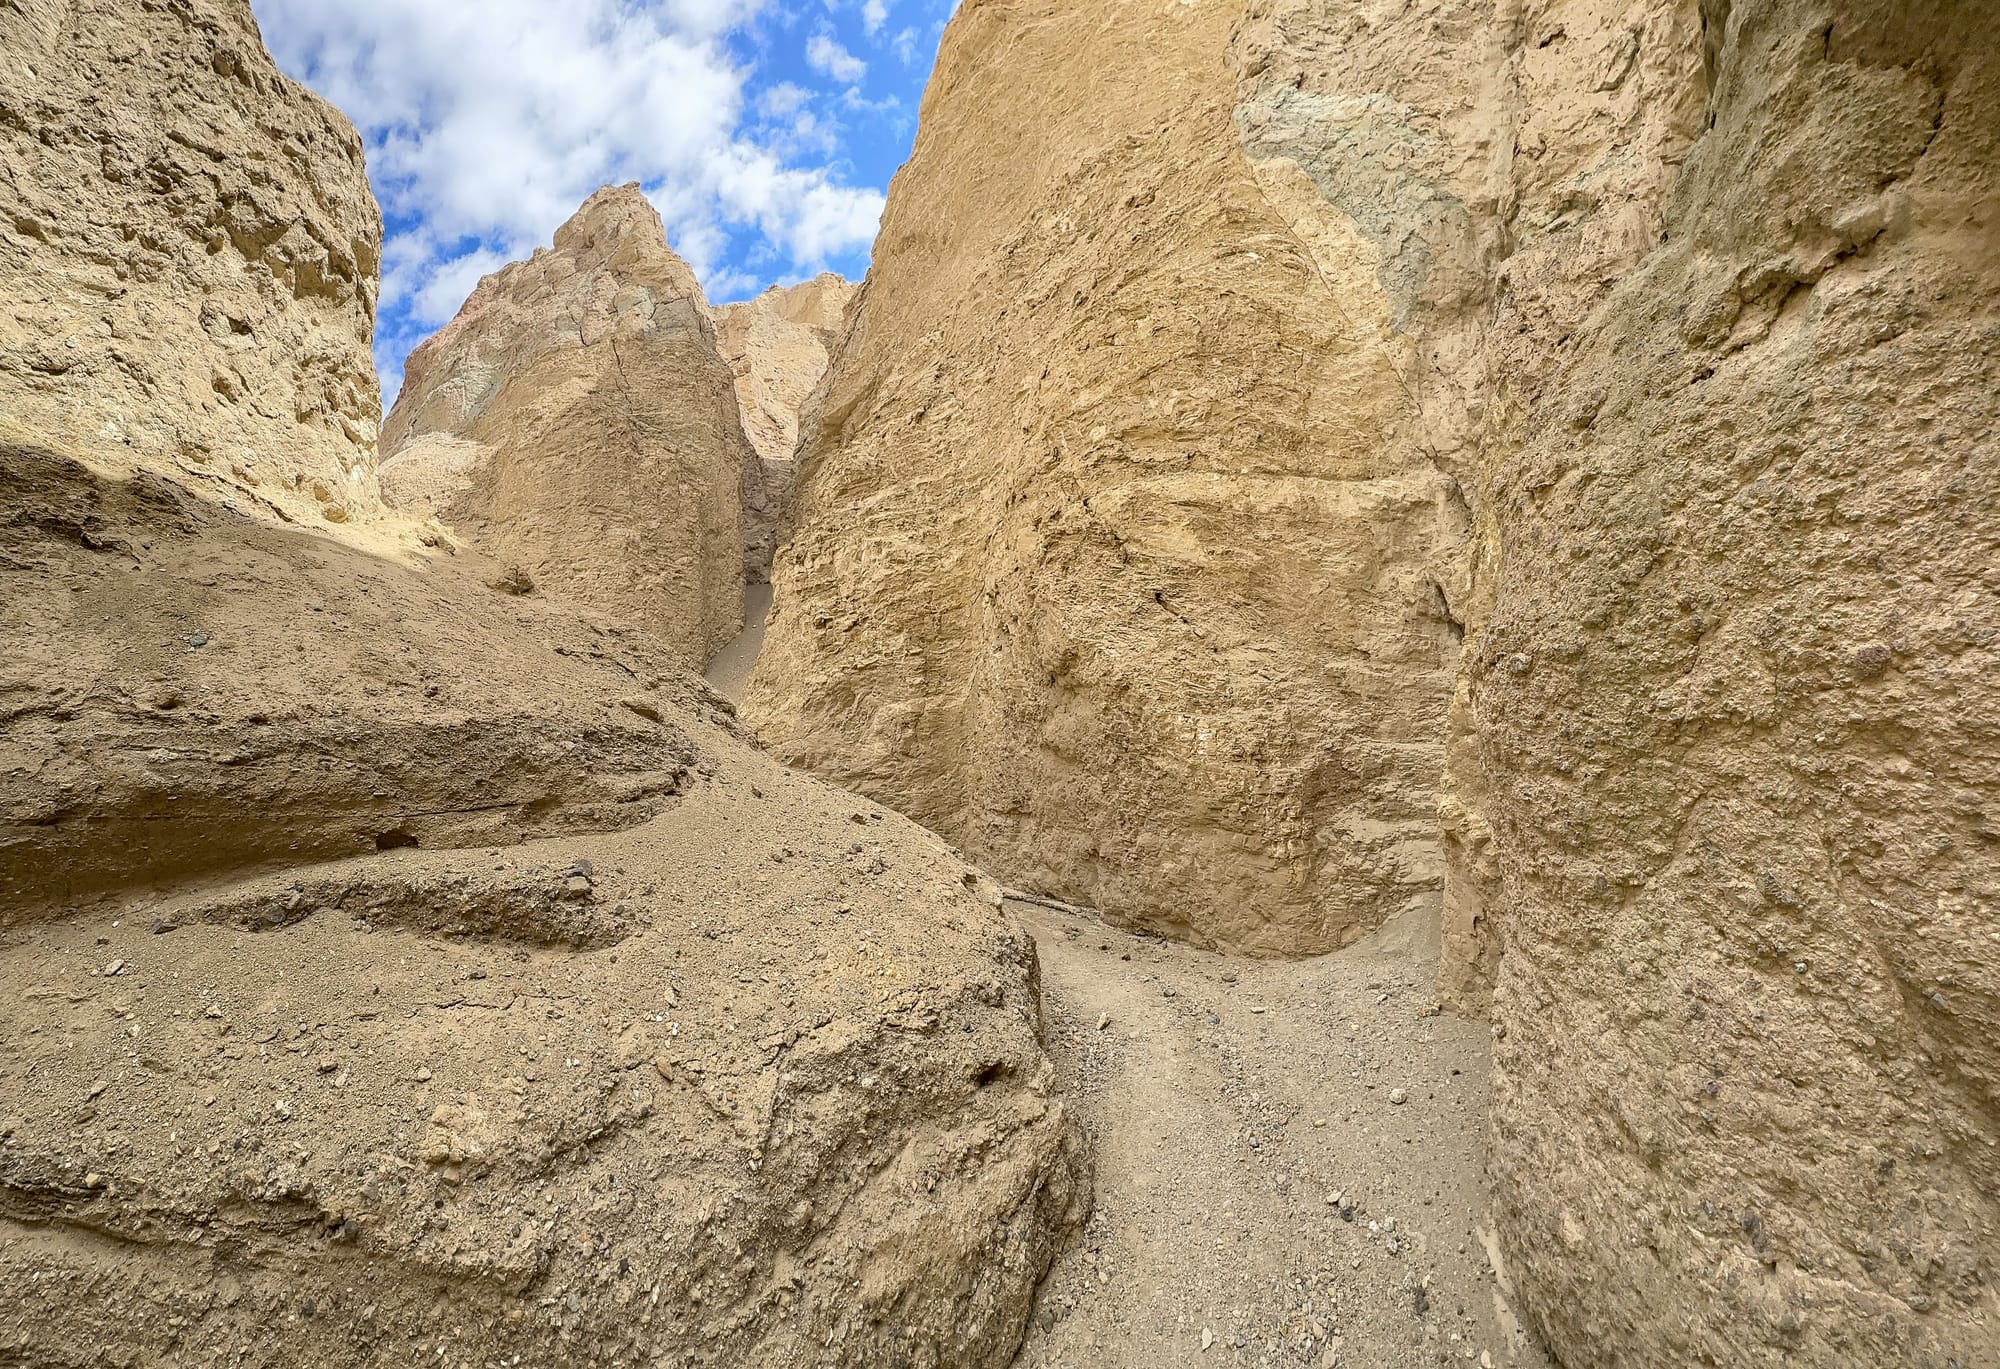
(1398, 1097)
(100, 1086)
(1207, 1338)
(282, 1110)
(197, 640)
(643, 706)
(211, 1010)
(1166, 993)
(1103, 1021)
(423, 1074)
(93, 1180)
(665, 1067)
(114, 967)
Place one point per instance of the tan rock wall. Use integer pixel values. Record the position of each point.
(576, 422)
(188, 257)
(1734, 731)
(1669, 328)
(1113, 557)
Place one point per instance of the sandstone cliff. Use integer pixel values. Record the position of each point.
(1115, 536)
(778, 346)
(576, 424)
(188, 257)
(1731, 697)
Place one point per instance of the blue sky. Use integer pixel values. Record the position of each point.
(765, 131)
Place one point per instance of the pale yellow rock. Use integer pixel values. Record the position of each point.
(188, 258)
(575, 423)
(1687, 311)
(778, 346)
(1114, 543)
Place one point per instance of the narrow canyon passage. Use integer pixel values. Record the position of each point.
(1286, 1158)
(1285, 1155)
(729, 670)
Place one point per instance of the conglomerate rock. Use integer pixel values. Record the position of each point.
(576, 424)
(188, 257)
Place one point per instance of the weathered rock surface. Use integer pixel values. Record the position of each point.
(188, 693)
(758, 1083)
(1683, 315)
(188, 257)
(394, 970)
(1735, 729)
(778, 346)
(576, 423)
(1113, 556)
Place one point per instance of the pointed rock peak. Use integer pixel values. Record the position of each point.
(611, 214)
(618, 229)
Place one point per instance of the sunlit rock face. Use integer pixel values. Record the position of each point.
(576, 424)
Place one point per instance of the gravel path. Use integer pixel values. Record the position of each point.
(1287, 1159)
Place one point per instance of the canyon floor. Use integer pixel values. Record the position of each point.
(1286, 1154)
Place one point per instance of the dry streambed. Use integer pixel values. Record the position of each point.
(1287, 1159)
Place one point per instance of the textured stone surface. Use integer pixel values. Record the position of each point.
(757, 1082)
(576, 422)
(1113, 547)
(1685, 312)
(1702, 297)
(188, 257)
(778, 346)
(395, 971)
(1735, 728)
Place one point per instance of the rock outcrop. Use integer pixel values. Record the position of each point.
(396, 970)
(1654, 345)
(1115, 537)
(778, 346)
(188, 257)
(576, 424)
(1730, 695)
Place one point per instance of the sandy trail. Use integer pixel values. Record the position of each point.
(1227, 1103)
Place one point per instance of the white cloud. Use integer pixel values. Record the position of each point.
(826, 54)
(874, 14)
(489, 121)
(782, 99)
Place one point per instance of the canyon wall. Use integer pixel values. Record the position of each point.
(393, 970)
(576, 424)
(188, 257)
(778, 345)
(1652, 348)
(1115, 548)
(1732, 728)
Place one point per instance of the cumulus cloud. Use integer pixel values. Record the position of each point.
(874, 14)
(826, 54)
(489, 121)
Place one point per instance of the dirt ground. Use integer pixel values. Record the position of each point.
(1287, 1159)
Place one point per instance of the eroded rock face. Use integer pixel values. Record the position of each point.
(575, 423)
(1114, 548)
(188, 257)
(1704, 347)
(756, 1083)
(1687, 312)
(391, 966)
(1734, 727)
(778, 346)
(189, 693)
